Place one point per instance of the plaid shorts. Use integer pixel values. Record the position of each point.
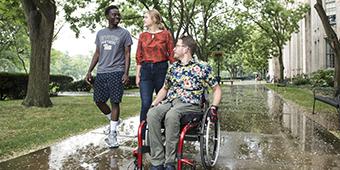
(108, 85)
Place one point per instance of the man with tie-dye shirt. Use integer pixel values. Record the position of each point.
(182, 92)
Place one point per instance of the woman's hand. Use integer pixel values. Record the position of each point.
(137, 80)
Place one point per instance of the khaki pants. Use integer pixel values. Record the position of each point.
(172, 112)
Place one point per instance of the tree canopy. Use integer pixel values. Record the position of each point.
(277, 21)
(249, 31)
(14, 42)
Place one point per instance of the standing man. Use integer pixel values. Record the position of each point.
(183, 89)
(113, 45)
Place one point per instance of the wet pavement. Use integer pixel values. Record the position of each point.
(259, 131)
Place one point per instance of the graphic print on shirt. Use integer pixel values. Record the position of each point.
(107, 41)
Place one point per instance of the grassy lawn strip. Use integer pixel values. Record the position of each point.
(23, 129)
(303, 97)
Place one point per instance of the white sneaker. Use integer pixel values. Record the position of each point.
(107, 129)
(111, 140)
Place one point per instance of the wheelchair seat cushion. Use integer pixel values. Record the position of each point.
(192, 116)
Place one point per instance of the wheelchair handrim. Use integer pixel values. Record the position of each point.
(216, 142)
(208, 159)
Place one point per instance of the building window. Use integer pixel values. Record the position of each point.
(329, 56)
(330, 7)
(330, 10)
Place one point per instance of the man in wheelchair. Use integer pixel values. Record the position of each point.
(182, 92)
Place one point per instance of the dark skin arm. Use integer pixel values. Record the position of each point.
(94, 61)
(125, 77)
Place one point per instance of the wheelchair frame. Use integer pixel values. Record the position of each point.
(207, 133)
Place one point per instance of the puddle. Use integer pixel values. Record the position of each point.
(79, 151)
(259, 131)
(264, 132)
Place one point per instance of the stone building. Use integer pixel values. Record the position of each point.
(308, 51)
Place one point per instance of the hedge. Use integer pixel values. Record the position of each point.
(14, 85)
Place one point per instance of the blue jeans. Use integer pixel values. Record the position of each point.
(151, 80)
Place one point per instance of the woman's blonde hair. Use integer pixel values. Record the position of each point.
(156, 17)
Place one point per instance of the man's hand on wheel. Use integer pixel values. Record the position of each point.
(213, 114)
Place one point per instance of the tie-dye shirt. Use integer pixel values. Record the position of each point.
(188, 82)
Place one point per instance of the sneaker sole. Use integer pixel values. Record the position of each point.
(114, 147)
(110, 146)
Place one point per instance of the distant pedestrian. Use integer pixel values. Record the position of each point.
(113, 45)
(257, 77)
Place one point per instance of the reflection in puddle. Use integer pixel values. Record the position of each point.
(264, 132)
(259, 131)
(310, 135)
(78, 151)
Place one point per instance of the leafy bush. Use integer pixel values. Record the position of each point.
(301, 80)
(323, 78)
(14, 85)
(60, 81)
(80, 85)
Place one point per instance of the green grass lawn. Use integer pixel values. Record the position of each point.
(23, 129)
(303, 97)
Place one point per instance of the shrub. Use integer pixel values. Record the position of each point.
(301, 80)
(60, 81)
(323, 78)
(14, 85)
(80, 85)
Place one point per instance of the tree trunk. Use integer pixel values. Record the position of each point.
(333, 39)
(337, 73)
(281, 66)
(40, 17)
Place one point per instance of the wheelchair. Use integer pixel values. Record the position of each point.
(194, 127)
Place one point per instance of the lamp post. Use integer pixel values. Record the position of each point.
(218, 54)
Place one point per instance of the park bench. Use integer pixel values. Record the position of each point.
(328, 96)
(227, 81)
